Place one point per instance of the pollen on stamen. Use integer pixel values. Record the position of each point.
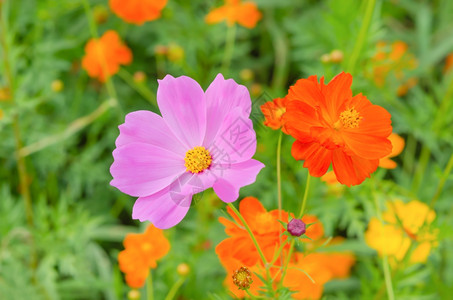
(197, 160)
(242, 278)
(350, 118)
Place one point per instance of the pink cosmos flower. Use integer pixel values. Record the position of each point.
(203, 140)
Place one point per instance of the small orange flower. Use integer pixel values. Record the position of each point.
(104, 56)
(448, 63)
(333, 127)
(394, 61)
(137, 11)
(397, 148)
(141, 253)
(273, 112)
(235, 11)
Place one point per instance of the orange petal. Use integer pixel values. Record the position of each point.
(306, 90)
(352, 170)
(336, 92)
(249, 207)
(317, 158)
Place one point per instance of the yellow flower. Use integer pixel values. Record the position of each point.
(404, 225)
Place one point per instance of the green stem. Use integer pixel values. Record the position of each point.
(304, 201)
(280, 44)
(250, 294)
(149, 286)
(252, 236)
(21, 163)
(388, 278)
(421, 167)
(385, 263)
(279, 177)
(301, 212)
(255, 242)
(174, 289)
(409, 154)
(362, 36)
(444, 177)
(72, 129)
(229, 47)
(279, 184)
(140, 88)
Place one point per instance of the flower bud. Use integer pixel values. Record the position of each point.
(133, 295)
(139, 76)
(183, 269)
(57, 85)
(175, 53)
(296, 227)
(336, 56)
(246, 74)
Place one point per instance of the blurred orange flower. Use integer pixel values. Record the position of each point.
(321, 267)
(104, 56)
(393, 61)
(404, 224)
(316, 230)
(448, 63)
(137, 11)
(141, 253)
(273, 112)
(235, 11)
(333, 127)
(397, 148)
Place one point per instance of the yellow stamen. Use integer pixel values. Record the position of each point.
(350, 118)
(242, 278)
(197, 159)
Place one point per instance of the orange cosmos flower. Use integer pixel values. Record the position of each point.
(104, 56)
(235, 11)
(448, 63)
(141, 253)
(137, 11)
(273, 112)
(333, 127)
(394, 61)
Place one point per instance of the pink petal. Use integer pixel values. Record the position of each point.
(141, 169)
(162, 209)
(168, 207)
(233, 177)
(147, 127)
(182, 104)
(222, 96)
(235, 141)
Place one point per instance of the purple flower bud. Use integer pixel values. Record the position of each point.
(296, 227)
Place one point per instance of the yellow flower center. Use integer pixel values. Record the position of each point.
(280, 111)
(197, 159)
(242, 278)
(146, 247)
(350, 118)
